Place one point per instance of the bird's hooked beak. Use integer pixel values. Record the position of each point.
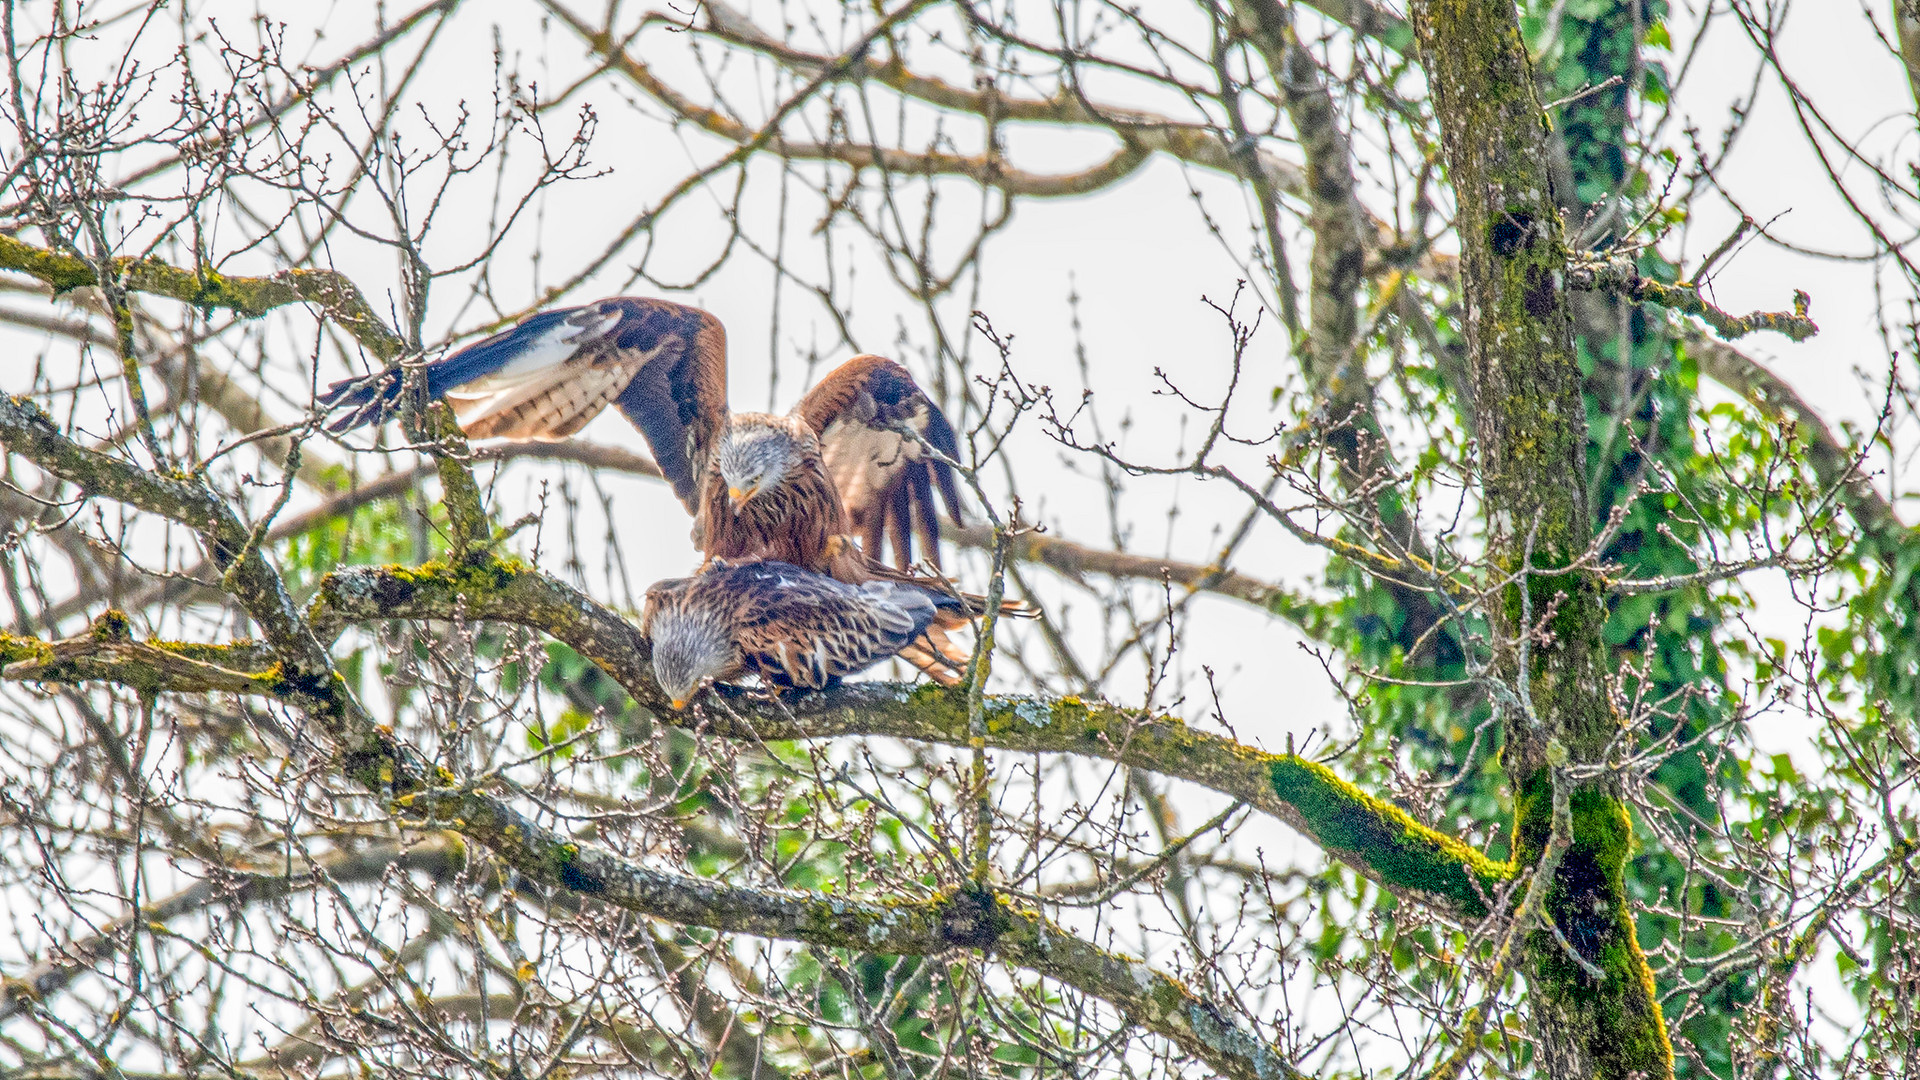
(741, 495)
(680, 703)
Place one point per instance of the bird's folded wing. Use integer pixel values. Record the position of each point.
(804, 629)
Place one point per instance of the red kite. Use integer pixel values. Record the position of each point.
(793, 628)
(760, 486)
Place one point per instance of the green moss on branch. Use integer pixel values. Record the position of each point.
(252, 297)
(108, 653)
(1529, 419)
(1615, 1018)
(1621, 276)
(1376, 838)
(967, 918)
(27, 431)
(1402, 853)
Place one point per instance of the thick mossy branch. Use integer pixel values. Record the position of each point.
(923, 927)
(1373, 836)
(107, 654)
(253, 297)
(1615, 1019)
(488, 587)
(1402, 854)
(1619, 275)
(28, 432)
(496, 590)
(956, 919)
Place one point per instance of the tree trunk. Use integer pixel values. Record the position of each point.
(1547, 626)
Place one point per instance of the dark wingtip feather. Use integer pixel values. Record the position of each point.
(899, 529)
(366, 399)
(925, 519)
(940, 435)
(370, 398)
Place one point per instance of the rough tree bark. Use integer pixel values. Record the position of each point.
(1591, 996)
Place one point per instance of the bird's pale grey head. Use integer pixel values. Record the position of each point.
(755, 455)
(689, 648)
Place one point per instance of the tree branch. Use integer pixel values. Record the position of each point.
(1073, 560)
(27, 431)
(1335, 361)
(316, 80)
(440, 856)
(1836, 465)
(1368, 19)
(1619, 275)
(1375, 837)
(185, 372)
(1141, 133)
(1906, 26)
(953, 919)
(106, 653)
(1531, 439)
(252, 297)
(509, 592)
(988, 170)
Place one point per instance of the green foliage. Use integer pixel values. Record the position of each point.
(1643, 425)
(1640, 408)
(383, 531)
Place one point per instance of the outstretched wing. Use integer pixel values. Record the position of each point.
(664, 364)
(885, 478)
(801, 629)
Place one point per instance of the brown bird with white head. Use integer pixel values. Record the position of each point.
(793, 628)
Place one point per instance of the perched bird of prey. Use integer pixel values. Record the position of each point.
(791, 627)
(760, 486)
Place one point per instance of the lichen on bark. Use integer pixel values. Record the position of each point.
(1550, 619)
(204, 287)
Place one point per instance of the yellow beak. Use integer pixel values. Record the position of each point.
(679, 703)
(738, 496)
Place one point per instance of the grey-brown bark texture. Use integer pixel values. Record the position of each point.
(438, 768)
(1530, 423)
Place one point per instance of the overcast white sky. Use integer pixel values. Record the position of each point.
(1141, 259)
(1139, 256)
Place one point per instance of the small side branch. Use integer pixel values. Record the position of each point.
(27, 431)
(1618, 275)
(1836, 464)
(1073, 560)
(439, 857)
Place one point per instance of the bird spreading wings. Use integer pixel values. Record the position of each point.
(760, 486)
(793, 628)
